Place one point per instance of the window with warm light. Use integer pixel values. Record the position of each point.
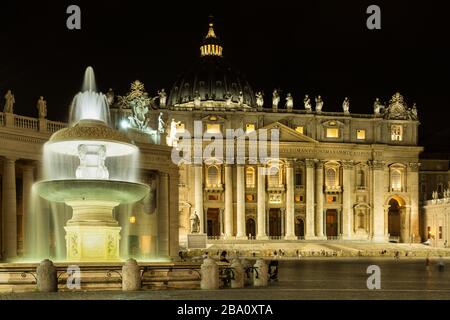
(332, 132)
(132, 219)
(361, 134)
(249, 127)
(298, 198)
(249, 197)
(396, 132)
(299, 129)
(331, 199)
(250, 177)
(396, 180)
(213, 128)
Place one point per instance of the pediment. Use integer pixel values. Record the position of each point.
(287, 134)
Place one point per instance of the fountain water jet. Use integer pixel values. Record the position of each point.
(92, 234)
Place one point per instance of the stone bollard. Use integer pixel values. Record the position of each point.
(210, 275)
(47, 280)
(248, 276)
(261, 275)
(238, 281)
(131, 276)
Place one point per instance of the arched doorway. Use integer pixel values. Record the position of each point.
(332, 223)
(213, 224)
(275, 222)
(250, 227)
(299, 227)
(394, 218)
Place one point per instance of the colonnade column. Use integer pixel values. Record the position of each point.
(9, 211)
(163, 215)
(310, 234)
(198, 195)
(240, 199)
(413, 183)
(378, 208)
(261, 232)
(347, 209)
(228, 212)
(27, 184)
(289, 225)
(319, 200)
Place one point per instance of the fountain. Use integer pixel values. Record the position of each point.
(90, 188)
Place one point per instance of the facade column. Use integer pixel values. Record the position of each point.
(198, 195)
(378, 191)
(261, 232)
(347, 209)
(310, 234)
(228, 218)
(289, 225)
(413, 184)
(319, 200)
(27, 184)
(163, 215)
(240, 200)
(9, 208)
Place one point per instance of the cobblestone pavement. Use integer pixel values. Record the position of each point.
(306, 279)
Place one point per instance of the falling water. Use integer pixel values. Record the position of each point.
(89, 104)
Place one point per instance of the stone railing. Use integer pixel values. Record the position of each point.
(9, 120)
(437, 201)
(23, 122)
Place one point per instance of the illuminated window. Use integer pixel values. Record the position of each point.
(249, 127)
(299, 129)
(332, 132)
(361, 134)
(298, 198)
(250, 177)
(331, 199)
(396, 180)
(250, 197)
(213, 176)
(396, 132)
(132, 219)
(212, 128)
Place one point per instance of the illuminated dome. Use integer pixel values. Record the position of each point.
(212, 78)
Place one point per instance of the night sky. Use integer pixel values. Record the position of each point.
(302, 47)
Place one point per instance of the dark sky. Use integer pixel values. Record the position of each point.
(314, 47)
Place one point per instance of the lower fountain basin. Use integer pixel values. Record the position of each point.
(99, 190)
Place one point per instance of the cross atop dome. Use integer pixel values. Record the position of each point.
(211, 45)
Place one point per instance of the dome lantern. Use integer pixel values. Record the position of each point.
(211, 45)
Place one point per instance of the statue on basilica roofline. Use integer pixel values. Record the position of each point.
(241, 98)
(259, 99)
(307, 103)
(42, 107)
(9, 104)
(346, 105)
(377, 106)
(413, 111)
(161, 123)
(110, 97)
(162, 98)
(275, 99)
(289, 102)
(398, 109)
(319, 104)
(228, 98)
(197, 100)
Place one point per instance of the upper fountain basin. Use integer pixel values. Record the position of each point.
(90, 132)
(99, 190)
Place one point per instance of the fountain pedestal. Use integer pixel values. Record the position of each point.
(92, 233)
